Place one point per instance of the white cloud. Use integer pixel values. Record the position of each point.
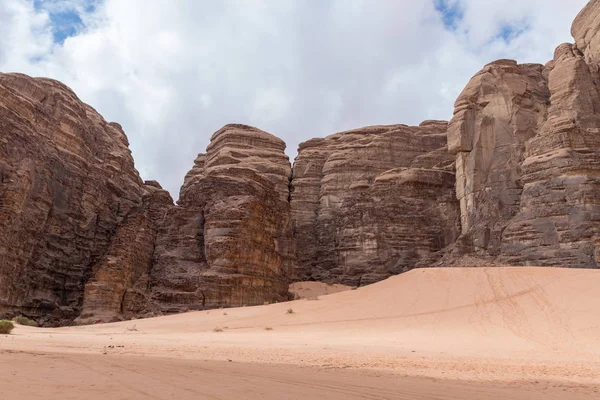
(174, 72)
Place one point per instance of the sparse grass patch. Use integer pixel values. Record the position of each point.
(217, 329)
(21, 320)
(6, 327)
(290, 311)
(313, 298)
(353, 288)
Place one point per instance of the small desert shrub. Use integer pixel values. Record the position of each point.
(290, 311)
(217, 329)
(6, 327)
(268, 328)
(21, 320)
(313, 298)
(353, 288)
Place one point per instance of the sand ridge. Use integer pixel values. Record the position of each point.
(471, 324)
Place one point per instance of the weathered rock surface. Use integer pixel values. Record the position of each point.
(513, 179)
(229, 241)
(497, 113)
(67, 181)
(559, 215)
(82, 235)
(120, 283)
(372, 202)
(527, 140)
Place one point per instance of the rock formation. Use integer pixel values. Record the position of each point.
(513, 178)
(229, 241)
(497, 113)
(372, 202)
(527, 142)
(67, 181)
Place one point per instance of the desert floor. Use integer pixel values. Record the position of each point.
(449, 333)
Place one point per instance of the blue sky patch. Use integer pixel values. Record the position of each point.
(451, 11)
(508, 32)
(66, 21)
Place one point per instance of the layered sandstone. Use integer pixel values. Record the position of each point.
(513, 178)
(120, 283)
(372, 202)
(67, 181)
(500, 109)
(527, 141)
(558, 219)
(229, 241)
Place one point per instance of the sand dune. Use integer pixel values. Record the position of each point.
(471, 324)
(310, 290)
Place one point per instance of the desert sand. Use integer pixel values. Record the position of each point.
(311, 290)
(448, 333)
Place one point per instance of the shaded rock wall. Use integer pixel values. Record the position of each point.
(500, 109)
(229, 242)
(513, 178)
(372, 202)
(67, 181)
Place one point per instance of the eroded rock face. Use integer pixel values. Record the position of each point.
(67, 181)
(229, 241)
(120, 283)
(514, 178)
(372, 202)
(527, 140)
(500, 109)
(557, 223)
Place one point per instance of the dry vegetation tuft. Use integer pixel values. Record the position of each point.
(6, 327)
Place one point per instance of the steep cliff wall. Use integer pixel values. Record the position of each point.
(229, 241)
(372, 202)
(527, 142)
(500, 109)
(513, 178)
(67, 181)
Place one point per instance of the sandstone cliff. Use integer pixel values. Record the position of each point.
(527, 145)
(372, 202)
(67, 181)
(228, 241)
(513, 178)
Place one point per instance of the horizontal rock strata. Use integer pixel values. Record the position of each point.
(512, 179)
(372, 202)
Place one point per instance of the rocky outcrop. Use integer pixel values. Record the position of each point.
(229, 241)
(120, 283)
(372, 202)
(513, 178)
(67, 181)
(82, 236)
(527, 140)
(557, 223)
(500, 109)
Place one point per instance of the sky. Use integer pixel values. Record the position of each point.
(172, 72)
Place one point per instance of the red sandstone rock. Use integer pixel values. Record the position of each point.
(372, 202)
(68, 180)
